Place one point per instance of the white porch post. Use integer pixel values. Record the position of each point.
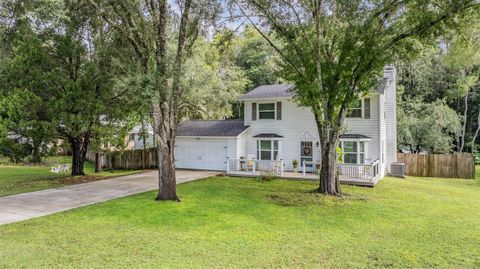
(228, 164)
(303, 168)
(281, 167)
(254, 164)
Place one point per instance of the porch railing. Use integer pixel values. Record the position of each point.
(254, 167)
(359, 172)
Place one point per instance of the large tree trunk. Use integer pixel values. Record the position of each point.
(167, 182)
(98, 162)
(165, 114)
(329, 181)
(464, 127)
(79, 152)
(476, 133)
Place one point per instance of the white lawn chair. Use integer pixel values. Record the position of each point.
(65, 167)
(55, 169)
(60, 168)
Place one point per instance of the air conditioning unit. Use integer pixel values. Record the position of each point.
(397, 170)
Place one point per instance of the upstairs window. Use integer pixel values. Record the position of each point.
(356, 111)
(360, 110)
(266, 111)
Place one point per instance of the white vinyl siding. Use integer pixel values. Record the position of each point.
(383, 133)
(298, 124)
(242, 142)
(391, 120)
(368, 127)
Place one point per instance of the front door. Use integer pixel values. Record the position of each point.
(306, 153)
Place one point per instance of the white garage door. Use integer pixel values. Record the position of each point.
(201, 154)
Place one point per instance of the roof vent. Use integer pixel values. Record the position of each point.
(397, 170)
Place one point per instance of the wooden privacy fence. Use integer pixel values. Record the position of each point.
(438, 165)
(129, 159)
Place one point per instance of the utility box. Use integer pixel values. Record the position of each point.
(397, 170)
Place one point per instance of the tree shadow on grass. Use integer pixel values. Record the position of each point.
(311, 198)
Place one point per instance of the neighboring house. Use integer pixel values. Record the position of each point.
(135, 139)
(275, 128)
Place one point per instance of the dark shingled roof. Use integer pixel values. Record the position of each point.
(355, 136)
(284, 90)
(268, 136)
(211, 128)
(269, 91)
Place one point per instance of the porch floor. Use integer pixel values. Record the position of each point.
(299, 176)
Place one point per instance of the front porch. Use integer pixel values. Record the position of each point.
(351, 174)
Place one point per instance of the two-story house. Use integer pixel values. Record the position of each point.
(276, 128)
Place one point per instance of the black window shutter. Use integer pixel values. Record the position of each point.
(366, 108)
(279, 110)
(254, 111)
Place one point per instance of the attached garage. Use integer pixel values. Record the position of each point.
(206, 145)
(201, 153)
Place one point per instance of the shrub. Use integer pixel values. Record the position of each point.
(267, 176)
(14, 150)
(477, 157)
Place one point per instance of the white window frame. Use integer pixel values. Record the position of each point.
(362, 105)
(359, 152)
(274, 110)
(272, 149)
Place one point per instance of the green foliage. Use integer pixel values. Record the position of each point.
(340, 154)
(447, 71)
(212, 83)
(334, 52)
(60, 78)
(477, 158)
(25, 117)
(253, 54)
(268, 176)
(431, 127)
(15, 149)
(224, 68)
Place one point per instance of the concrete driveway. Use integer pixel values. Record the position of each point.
(29, 205)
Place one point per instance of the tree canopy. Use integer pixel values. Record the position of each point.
(335, 52)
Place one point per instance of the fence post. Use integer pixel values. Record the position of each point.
(228, 164)
(281, 167)
(304, 171)
(253, 168)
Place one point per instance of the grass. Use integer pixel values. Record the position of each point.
(20, 178)
(230, 222)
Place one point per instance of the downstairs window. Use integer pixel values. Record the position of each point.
(353, 152)
(267, 150)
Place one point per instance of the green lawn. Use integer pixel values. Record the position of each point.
(25, 178)
(231, 222)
